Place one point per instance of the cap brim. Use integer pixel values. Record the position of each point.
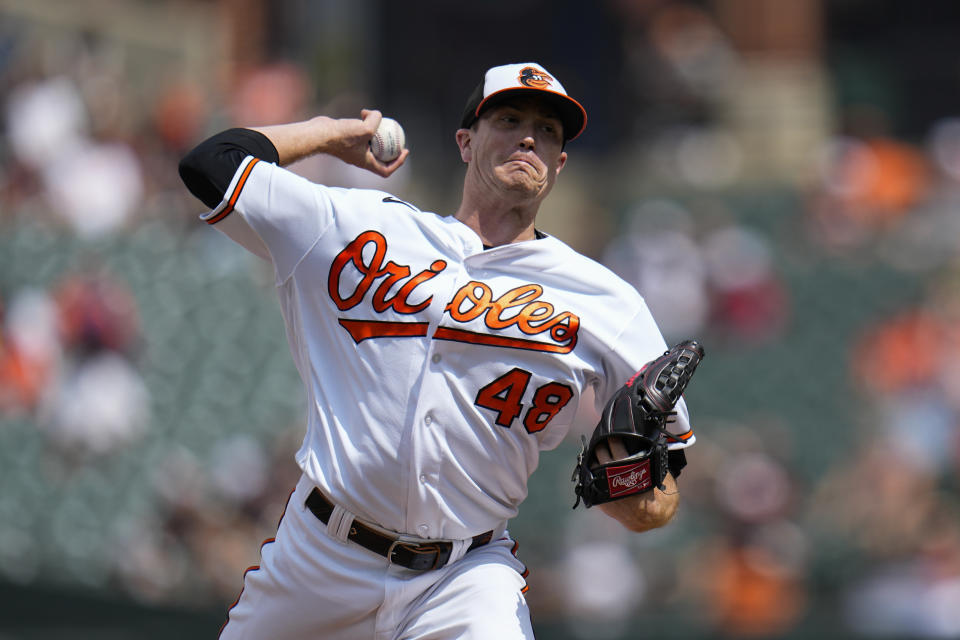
(572, 114)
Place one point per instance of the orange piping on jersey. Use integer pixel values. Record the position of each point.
(236, 194)
(683, 437)
(255, 567)
(361, 330)
(526, 570)
(462, 335)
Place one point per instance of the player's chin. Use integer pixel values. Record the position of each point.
(524, 182)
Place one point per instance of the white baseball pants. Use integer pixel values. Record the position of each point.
(312, 585)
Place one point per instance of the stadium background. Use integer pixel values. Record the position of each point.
(802, 157)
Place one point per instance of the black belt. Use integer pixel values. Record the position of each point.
(419, 556)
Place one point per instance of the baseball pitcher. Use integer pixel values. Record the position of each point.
(440, 354)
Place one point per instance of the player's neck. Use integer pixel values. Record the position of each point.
(498, 221)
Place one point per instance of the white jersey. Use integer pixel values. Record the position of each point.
(435, 370)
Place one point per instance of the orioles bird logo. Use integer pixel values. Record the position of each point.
(533, 77)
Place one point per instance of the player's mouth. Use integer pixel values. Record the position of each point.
(527, 159)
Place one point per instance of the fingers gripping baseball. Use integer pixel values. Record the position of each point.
(371, 121)
(352, 144)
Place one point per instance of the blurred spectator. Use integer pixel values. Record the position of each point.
(180, 115)
(99, 404)
(193, 546)
(239, 468)
(869, 182)
(97, 312)
(676, 62)
(906, 367)
(750, 590)
(658, 256)
(891, 502)
(727, 280)
(94, 186)
(749, 572)
(20, 386)
(877, 500)
(29, 350)
(601, 610)
(944, 147)
(902, 352)
(749, 300)
(45, 120)
(917, 595)
(755, 488)
(904, 532)
(270, 93)
(692, 44)
(98, 401)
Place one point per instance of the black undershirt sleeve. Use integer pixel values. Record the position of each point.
(676, 461)
(208, 169)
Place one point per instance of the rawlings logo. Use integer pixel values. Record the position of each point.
(622, 481)
(535, 78)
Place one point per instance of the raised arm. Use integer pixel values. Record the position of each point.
(346, 138)
(208, 169)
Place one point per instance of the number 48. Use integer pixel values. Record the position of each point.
(505, 394)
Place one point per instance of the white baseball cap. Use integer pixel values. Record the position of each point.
(530, 78)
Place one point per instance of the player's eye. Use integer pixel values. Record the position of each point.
(551, 129)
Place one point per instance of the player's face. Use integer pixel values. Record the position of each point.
(517, 148)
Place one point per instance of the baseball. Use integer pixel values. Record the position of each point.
(388, 141)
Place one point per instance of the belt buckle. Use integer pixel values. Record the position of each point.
(425, 555)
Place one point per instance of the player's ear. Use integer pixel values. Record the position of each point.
(562, 161)
(463, 141)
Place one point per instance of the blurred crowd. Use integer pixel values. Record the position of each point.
(763, 546)
(88, 159)
(68, 357)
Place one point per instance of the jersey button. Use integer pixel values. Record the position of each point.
(435, 358)
(423, 478)
(427, 420)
